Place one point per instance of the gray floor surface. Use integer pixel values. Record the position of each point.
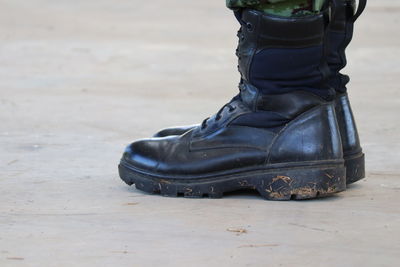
(81, 79)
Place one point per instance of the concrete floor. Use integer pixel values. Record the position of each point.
(81, 79)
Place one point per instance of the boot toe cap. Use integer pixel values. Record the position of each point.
(142, 154)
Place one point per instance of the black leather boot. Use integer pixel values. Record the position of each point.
(341, 33)
(285, 145)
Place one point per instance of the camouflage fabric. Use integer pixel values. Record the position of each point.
(285, 8)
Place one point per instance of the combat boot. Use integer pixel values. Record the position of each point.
(340, 35)
(278, 136)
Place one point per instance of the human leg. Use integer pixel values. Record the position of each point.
(285, 8)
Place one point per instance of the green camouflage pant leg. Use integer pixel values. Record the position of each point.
(285, 8)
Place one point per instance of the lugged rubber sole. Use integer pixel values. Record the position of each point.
(277, 184)
(355, 167)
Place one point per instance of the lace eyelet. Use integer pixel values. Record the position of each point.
(249, 26)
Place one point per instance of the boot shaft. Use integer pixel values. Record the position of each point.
(280, 55)
(340, 36)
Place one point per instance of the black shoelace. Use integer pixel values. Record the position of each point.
(218, 116)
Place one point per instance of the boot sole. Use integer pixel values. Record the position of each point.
(355, 167)
(289, 183)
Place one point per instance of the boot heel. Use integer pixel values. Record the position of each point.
(305, 183)
(355, 168)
